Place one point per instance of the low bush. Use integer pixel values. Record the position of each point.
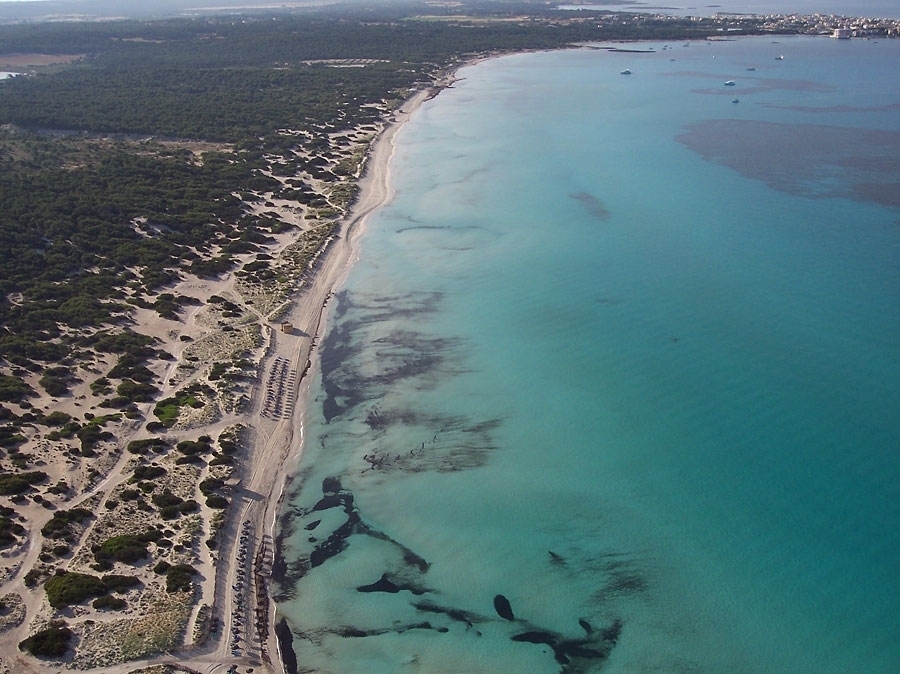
(124, 549)
(67, 588)
(216, 501)
(51, 642)
(115, 582)
(19, 483)
(147, 473)
(60, 525)
(178, 578)
(166, 498)
(9, 531)
(157, 445)
(108, 602)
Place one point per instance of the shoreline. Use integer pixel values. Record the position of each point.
(252, 425)
(310, 309)
(229, 617)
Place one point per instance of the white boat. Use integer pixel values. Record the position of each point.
(626, 72)
(729, 83)
(780, 57)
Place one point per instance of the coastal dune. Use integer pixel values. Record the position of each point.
(228, 617)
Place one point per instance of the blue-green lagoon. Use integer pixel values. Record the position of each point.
(615, 385)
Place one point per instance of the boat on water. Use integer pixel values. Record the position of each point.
(735, 100)
(751, 69)
(729, 83)
(626, 72)
(780, 57)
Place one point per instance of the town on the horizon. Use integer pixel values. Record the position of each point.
(820, 23)
(841, 27)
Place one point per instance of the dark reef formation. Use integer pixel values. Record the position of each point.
(366, 430)
(793, 158)
(286, 646)
(503, 608)
(335, 497)
(573, 653)
(402, 354)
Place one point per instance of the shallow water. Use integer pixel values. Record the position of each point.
(626, 353)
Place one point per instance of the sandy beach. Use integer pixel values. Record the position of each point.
(229, 620)
(278, 449)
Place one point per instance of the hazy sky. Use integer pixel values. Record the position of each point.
(879, 8)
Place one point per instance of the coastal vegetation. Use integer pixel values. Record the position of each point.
(68, 587)
(51, 642)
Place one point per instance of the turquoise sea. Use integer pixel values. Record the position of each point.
(615, 385)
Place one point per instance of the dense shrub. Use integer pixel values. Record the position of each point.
(210, 484)
(51, 642)
(108, 602)
(118, 583)
(56, 418)
(216, 501)
(142, 473)
(136, 391)
(55, 380)
(59, 525)
(67, 588)
(124, 549)
(61, 550)
(9, 531)
(13, 389)
(190, 447)
(170, 512)
(60, 488)
(100, 386)
(228, 446)
(178, 578)
(19, 483)
(141, 446)
(92, 433)
(189, 506)
(166, 498)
